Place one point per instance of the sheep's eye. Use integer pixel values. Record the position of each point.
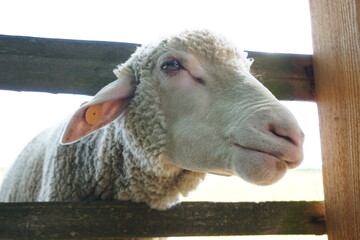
(200, 80)
(171, 66)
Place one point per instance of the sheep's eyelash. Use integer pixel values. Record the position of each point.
(175, 71)
(176, 64)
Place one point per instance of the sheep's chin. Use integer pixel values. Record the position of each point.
(258, 167)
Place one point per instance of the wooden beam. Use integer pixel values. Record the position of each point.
(83, 67)
(336, 39)
(288, 76)
(109, 220)
(58, 65)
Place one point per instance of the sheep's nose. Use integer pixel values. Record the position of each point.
(292, 154)
(292, 135)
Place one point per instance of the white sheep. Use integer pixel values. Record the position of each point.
(180, 108)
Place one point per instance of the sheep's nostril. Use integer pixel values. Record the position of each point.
(293, 136)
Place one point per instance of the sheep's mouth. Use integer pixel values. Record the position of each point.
(254, 149)
(277, 156)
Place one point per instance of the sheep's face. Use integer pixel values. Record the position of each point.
(196, 105)
(221, 120)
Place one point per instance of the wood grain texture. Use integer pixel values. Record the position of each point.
(110, 220)
(84, 67)
(337, 74)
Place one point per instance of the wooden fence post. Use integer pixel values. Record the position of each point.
(336, 41)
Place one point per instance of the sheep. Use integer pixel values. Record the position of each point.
(181, 107)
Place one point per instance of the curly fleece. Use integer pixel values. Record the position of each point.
(127, 159)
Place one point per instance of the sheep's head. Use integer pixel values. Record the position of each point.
(214, 115)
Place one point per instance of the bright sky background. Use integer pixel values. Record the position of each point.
(256, 25)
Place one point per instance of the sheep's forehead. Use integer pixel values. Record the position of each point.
(210, 46)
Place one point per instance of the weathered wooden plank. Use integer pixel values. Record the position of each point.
(57, 65)
(336, 37)
(73, 66)
(107, 220)
(288, 76)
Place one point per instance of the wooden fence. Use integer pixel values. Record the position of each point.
(68, 66)
(336, 38)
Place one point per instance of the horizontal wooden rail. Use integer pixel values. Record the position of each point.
(109, 220)
(84, 67)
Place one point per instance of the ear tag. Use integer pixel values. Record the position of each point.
(93, 114)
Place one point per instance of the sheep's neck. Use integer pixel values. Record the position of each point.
(159, 184)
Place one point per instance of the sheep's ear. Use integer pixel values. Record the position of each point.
(105, 107)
